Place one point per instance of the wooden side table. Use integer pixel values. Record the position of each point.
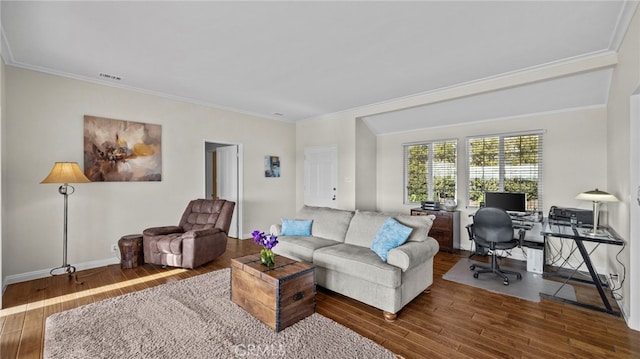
(279, 296)
(131, 252)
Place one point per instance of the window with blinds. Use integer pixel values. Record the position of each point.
(430, 172)
(509, 163)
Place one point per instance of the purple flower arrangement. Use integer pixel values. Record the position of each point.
(263, 240)
(267, 242)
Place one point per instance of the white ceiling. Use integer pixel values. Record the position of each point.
(309, 59)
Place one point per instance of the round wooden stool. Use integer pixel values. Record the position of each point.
(131, 252)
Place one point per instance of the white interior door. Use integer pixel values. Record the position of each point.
(321, 176)
(227, 181)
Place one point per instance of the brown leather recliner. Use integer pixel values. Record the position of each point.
(200, 237)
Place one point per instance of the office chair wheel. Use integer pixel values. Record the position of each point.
(519, 276)
(475, 275)
(505, 282)
(472, 267)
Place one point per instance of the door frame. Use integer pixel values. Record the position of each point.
(207, 179)
(633, 317)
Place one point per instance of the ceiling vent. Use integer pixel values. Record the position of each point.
(110, 77)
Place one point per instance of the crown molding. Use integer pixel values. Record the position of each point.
(11, 62)
(566, 67)
(622, 25)
(505, 118)
(5, 49)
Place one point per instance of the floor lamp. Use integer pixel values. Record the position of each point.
(65, 173)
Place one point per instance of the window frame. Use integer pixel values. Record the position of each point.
(502, 174)
(431, 195)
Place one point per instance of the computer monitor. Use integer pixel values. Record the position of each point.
(509, 201)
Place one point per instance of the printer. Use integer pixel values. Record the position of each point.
(430, 205)
(563, 214)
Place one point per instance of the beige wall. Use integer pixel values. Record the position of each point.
(623, 139)
(366, 162)
(44, 124)
(574, 158)
(574, 154)
(327, 132)
(574, 150)
(2, 175)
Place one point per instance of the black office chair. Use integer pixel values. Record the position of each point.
(476, 250)
(492, 228)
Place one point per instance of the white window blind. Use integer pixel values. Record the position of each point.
(509, 163)
(430, 171)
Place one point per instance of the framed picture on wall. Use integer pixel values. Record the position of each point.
(121, 151)
(271, 166)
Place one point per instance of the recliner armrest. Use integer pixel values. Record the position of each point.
(159, 231)
(196, 233)
(410, 254)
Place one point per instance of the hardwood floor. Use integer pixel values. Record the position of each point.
(452, 321)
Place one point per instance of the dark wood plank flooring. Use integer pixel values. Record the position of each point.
(451, 321)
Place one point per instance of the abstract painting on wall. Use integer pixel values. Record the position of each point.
(271, 166)
(116, 150)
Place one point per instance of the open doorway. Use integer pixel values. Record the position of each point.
(223, 176)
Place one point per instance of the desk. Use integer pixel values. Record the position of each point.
(532, 239)
(578, 234)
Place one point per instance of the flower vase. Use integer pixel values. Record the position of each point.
(267, 257)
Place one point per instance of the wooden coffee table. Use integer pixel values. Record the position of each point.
(279, 296)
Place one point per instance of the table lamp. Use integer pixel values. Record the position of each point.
(596, 196)
(65, 173)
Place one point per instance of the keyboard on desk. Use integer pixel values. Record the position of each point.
(522, 220)
(522, 225)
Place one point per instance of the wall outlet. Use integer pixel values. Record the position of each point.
(114, 248)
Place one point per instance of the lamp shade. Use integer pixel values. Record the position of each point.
(597, 196)
(66, 172)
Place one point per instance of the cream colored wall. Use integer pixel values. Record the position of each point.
(574, 154)
(2, 175)
(44, 124)
(574, 157)
(623, 140)
(365, 167)
(326, 132)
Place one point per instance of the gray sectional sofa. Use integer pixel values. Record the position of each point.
(340, 248)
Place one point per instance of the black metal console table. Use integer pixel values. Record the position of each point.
(579, 235)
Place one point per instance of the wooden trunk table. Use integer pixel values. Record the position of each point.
(279, 296)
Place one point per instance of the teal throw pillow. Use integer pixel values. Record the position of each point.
(296, 227)
(391, 235)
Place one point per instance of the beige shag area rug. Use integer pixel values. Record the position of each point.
(193, 318)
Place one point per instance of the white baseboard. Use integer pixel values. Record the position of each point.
(43, 273)
(622, 312)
